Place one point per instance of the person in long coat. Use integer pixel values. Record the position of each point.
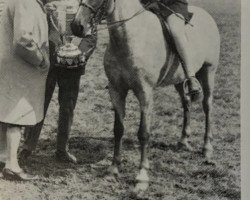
(24, 64)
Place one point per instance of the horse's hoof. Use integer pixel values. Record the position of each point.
(184, 146)
(210, 162)
(142, 183)
(208, 153)
(140, 189)
(113, 170)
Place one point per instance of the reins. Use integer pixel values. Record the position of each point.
(121, 22)
(179, 16)
(115, 23)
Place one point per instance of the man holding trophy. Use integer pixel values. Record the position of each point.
(68, 57)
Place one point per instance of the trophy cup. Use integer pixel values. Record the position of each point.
(68, 54)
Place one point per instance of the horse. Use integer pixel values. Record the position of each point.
(138, 58)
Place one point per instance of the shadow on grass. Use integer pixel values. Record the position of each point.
(87, 150)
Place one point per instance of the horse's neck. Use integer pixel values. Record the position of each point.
(124, 9)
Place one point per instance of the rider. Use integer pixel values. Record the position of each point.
(176, 14)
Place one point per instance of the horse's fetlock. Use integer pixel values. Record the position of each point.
(113, 169)
(142, 176)
(208, 147)
(143, 139)
(145, 165)
(186, 132)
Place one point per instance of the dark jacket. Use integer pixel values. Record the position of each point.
(167, 7)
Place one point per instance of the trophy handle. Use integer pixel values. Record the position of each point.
(60, 15)
(53, 23)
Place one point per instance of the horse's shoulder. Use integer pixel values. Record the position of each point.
(150, 17)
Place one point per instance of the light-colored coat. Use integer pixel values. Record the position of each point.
(22, 73)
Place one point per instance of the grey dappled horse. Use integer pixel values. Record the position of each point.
(138, 59)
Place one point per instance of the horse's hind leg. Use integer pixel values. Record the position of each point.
(186, 130)
(118, 97)
(145, 97)
(206, 77)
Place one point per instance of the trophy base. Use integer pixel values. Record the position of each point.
(69, 56)
(80, 67)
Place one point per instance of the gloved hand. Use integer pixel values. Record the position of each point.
(29, 50)
(50, 7)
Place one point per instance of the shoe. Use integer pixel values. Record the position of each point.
(8, 174)
(192, 89)
(65, 156)
(24, 154)
(2, 165)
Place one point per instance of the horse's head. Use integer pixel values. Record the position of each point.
(90, 13)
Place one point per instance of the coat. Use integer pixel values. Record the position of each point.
(24, 61)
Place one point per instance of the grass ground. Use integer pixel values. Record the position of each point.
(175, 174)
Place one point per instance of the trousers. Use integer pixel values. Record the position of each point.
(68, 81)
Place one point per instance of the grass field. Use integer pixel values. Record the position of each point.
(175, 174)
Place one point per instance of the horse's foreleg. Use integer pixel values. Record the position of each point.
(207, 80)
(118, 101)
(186, 130)
(145, 98)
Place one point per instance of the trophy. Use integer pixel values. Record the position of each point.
(68, 54)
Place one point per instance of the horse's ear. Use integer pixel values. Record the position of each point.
(111, 6)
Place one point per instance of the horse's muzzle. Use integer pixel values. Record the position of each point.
(77, 29)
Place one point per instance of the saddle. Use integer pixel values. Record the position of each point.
(166, 29)
(154, 8)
